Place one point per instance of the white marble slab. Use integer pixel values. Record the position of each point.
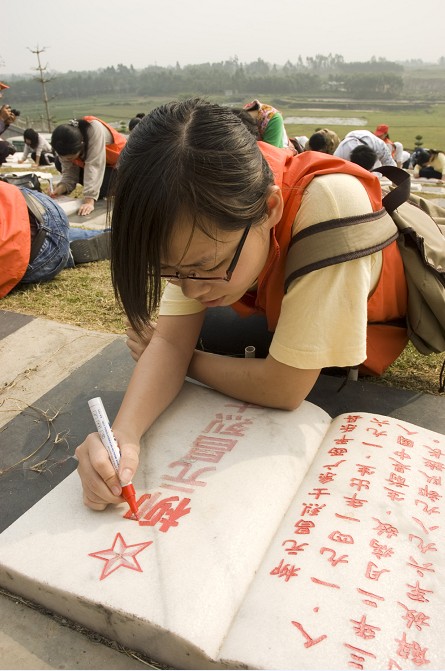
(259, 544)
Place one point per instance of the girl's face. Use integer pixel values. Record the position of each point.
(192, 252)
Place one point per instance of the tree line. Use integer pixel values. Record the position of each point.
(318, 75)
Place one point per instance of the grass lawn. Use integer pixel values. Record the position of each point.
(84, 296)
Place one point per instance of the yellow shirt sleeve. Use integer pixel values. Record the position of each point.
(324, 314)
(173, 302)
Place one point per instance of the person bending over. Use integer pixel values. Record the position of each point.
(201, 205)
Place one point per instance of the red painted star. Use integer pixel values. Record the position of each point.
(120, 555)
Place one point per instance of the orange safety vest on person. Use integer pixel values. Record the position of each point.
(292, 173)
(113, 150)
(15, 237)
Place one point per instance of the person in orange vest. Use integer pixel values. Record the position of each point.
(200, 204)
(36, 241)
(87, 152)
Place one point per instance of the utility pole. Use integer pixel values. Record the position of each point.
(43, 80)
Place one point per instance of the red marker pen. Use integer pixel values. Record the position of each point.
(111, 446)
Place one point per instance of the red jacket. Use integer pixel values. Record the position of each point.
(15, 237)
(389, 300)
(113, 150)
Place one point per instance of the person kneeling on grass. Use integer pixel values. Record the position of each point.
(36, 241)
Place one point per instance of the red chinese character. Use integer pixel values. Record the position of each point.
(303, 527)
(309, 640)
(181, 478)
(323, 478)
(417, 653)
(333, 559)
(241, 407)
(331, 466)
(421, 569)
(372, 573)
(164, 513)
(364, 469)
(405, 442)
(402, 454)
(432, 495)
(359, 483)
(383, 528)
(394, 495)
(376, 432)
(354, 501)
(363, 629)
(380, 550)
(347, 428)
(337, 451)
(294, 547)
(433, 465)
(342, 441)
(319, 491)
(338, 537)
(418, 593)
(432, 479)
(210, 448)
(431, 547)
(286, 571)
(231, 425)
(370, 602)
(399, 467)
(353, 419)
(312, 508)
(423, 527)
(435, 452)
(397, 480)
(429, 511)
(414, 617)
(380, 422)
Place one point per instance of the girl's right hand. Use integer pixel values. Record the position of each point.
(101, 485)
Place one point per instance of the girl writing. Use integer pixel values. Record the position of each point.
(201, 204)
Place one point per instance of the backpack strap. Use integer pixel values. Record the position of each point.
(338, 240)
(401, 193)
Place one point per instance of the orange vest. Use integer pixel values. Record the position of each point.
(292, 173)
(15, 237)
(113, 150)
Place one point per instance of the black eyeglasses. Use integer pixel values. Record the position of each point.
(229, 271)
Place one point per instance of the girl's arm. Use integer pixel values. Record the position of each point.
(156, 381)
(95, 161)
(265, 382)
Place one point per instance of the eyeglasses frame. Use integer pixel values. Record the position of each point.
(229, 272)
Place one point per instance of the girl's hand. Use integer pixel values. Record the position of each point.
(86, 208)
(101, 485)
(137, 344)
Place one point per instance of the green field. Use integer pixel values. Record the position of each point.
(405, 120)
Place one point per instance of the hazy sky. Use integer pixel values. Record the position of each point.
(91, 34)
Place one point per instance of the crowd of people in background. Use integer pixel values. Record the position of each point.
(86, 151)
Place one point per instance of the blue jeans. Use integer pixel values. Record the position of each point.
(54, 254)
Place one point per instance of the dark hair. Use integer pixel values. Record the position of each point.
(189, 158)
(420, 156)
(139, 115)
(71, 138)
(317, 142)
(364, 156)
(133, 122)
(247, 120)
(31, 135)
